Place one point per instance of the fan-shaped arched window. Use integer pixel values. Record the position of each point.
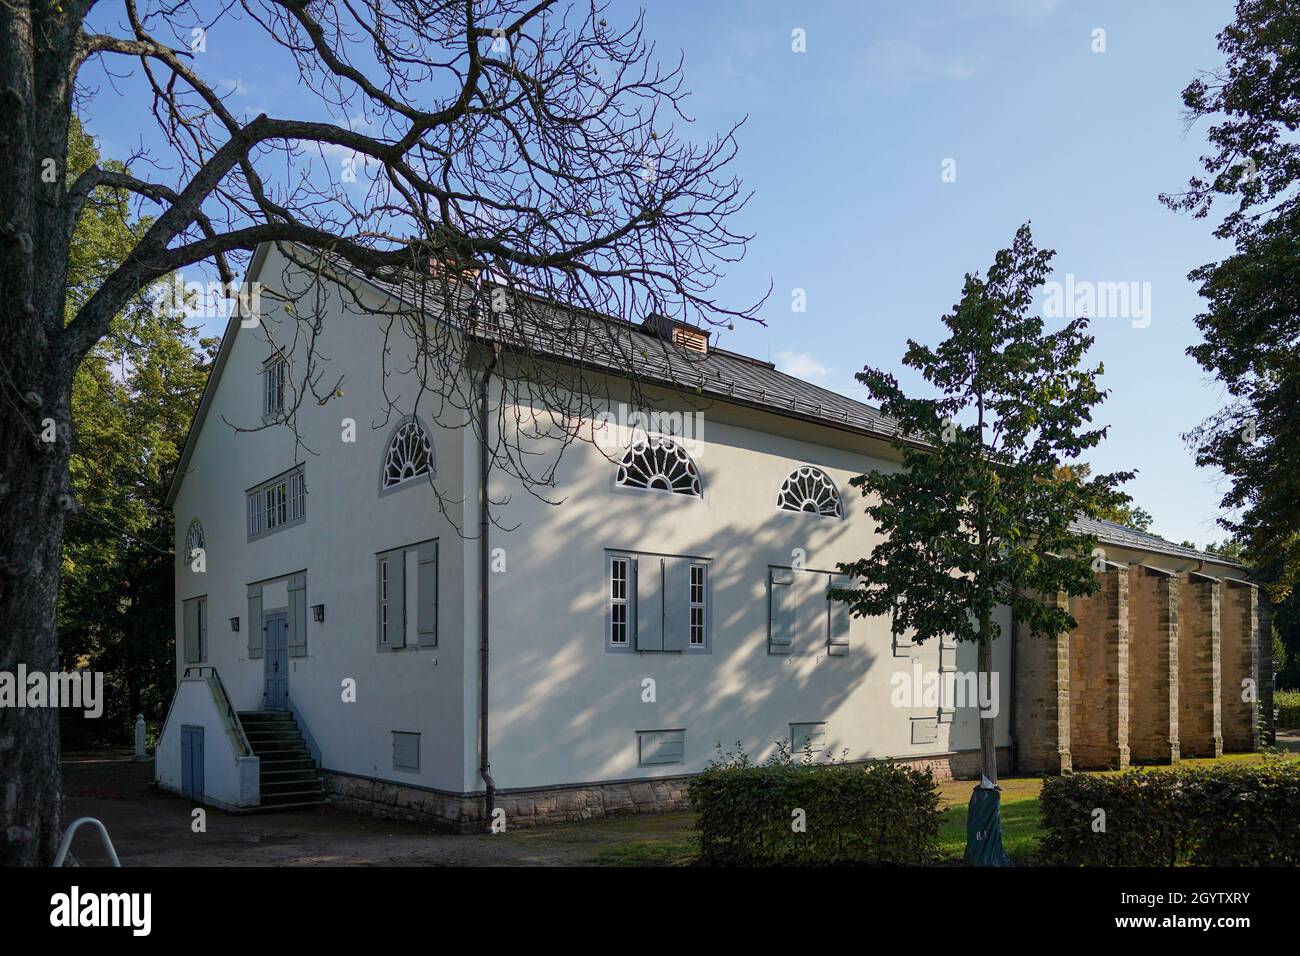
(409, 454)
(659, 464)
(808, 489)
(193, 538)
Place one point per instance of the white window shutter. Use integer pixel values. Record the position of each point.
(780, 623)
(677, 604)
(203, 628)
(650, 604)
(837, 641)
(427, 594)
(190, 626)
(298, 615)
(254, 621)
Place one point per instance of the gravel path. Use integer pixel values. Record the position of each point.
(152, 828)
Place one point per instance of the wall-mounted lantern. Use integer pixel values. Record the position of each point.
(318, 612)
(234, 624)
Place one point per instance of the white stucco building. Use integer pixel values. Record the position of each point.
(329, 639)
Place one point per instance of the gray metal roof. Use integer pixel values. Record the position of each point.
(1125, 537)
(616, 346)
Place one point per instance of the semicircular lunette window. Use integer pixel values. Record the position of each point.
(810, 490)
(410, 454)
(659, 464)
(193, 538)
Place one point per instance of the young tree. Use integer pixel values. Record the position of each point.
(1251, 325)
(979, 514)
(529, 140)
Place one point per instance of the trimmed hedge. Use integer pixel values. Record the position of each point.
(1287, 703)
(877, 813)
(1216, 816)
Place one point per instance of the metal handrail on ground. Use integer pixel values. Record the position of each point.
(103, 836)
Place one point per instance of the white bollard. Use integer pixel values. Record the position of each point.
(139, 738)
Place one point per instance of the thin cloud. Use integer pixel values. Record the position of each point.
(236, 87)
(899, 63)
(805, 366)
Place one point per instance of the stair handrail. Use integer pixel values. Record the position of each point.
(224, 700)
(103, 836)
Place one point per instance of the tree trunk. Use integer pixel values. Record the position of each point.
(988, 742)
(33, 499)
(35, 390)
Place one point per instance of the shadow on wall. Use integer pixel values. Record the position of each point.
(577, 704)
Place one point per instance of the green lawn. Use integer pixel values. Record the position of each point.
(1019, 817)
(650, 853)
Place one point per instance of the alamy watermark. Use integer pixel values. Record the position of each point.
(1098, 300)
(945, 689)
(617, 428)
(209, 300)
(76, 690)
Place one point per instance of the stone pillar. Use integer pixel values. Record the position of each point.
(1099, 674)
(1240, 663)
(1153, 665)
(1267, 730)
(1042, 701)
(1200, 696)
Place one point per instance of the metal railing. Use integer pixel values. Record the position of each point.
(232, 715)
(71, 831)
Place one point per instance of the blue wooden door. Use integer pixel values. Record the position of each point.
(192, 761)
(276, 657)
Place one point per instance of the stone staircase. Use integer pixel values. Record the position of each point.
(289, 778)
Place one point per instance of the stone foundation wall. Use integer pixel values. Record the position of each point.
(524, 809)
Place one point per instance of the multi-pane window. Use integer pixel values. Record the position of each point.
(697, 605)
(618, 606)
(277, 503)
(276, 506)
(297, 496)
(406, 597)
(274, 375)
(656, 603)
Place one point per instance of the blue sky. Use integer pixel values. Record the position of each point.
(845, 147)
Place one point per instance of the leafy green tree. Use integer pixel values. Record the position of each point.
(132, 401)
(1129, 515)
(1251, 325)
(979, 515)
